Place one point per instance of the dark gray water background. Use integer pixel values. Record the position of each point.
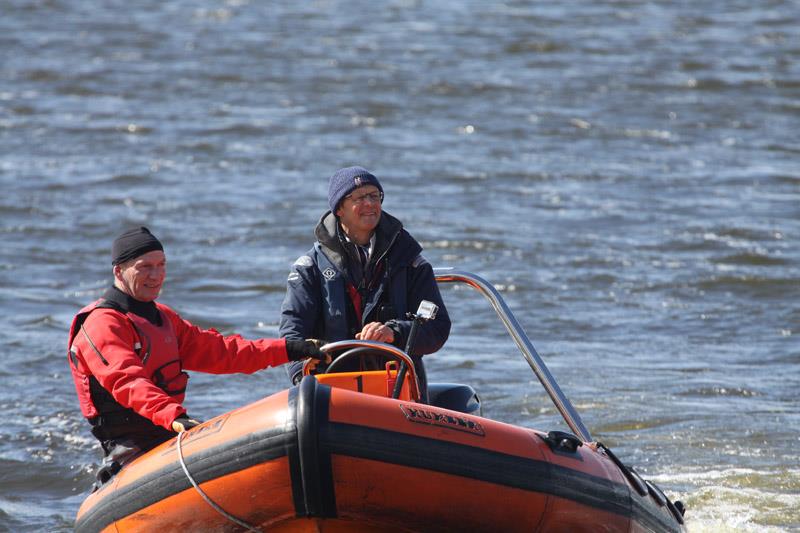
(625, 171)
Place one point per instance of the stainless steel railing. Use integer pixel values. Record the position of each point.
(571, 417)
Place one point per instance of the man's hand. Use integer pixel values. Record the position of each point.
(323, 357)
(297, 350)
(184, 423)
(375, 331)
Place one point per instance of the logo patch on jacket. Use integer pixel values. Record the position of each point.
(329, 273)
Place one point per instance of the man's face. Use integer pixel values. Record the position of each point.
(143, 276)
(360, 211)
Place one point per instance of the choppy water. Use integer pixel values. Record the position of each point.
(626, 171)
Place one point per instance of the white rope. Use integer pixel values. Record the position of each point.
(216, 507)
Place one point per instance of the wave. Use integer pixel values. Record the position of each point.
(753, 285)
(738, 392)
(751, 258)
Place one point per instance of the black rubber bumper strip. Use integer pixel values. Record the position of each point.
(493, 467)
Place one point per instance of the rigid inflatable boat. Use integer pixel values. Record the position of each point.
(358, 451)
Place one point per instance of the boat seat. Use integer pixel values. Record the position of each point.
(454, 396)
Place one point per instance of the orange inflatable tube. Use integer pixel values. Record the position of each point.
(322, 458)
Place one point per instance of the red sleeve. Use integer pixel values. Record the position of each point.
(119, 370)
(206, 350)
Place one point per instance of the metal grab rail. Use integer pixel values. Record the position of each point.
(571, 417)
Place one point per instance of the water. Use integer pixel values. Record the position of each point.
(625, 171)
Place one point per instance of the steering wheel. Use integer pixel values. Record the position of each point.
(358, 351)
(358, 348)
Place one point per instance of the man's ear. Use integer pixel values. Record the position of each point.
(117, 271)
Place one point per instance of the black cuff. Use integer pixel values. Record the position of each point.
(398, 341)
(296, 349)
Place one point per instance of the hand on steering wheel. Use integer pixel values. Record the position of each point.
(376, 331)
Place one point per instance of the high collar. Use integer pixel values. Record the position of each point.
(128, 304)
(331, 237)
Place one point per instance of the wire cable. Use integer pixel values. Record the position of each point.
(216, 507)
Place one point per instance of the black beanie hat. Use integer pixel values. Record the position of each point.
(132, 244)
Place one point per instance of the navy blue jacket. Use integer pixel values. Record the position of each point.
(396, 280)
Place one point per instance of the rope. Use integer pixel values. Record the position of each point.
(216, 507)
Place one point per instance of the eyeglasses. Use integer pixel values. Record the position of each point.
(373, 197)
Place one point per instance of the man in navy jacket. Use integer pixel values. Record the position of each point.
(362, 276)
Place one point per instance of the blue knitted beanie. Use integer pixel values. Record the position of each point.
(346, 180)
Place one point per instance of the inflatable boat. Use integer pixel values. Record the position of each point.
(359, 451)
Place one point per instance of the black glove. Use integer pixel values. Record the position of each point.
(297, 350)
(184, 423)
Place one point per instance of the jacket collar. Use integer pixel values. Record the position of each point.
(330, 235)
(127, 304)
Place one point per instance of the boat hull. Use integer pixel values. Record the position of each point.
(316, 458)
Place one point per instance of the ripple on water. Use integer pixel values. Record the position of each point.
(755, 286)
(636, 425)
(751, 259)
(240, 129)
(535, 46)
(37, 322)
(721, 391)
(34, 477)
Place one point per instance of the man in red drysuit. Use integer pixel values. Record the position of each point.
(128, 355)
